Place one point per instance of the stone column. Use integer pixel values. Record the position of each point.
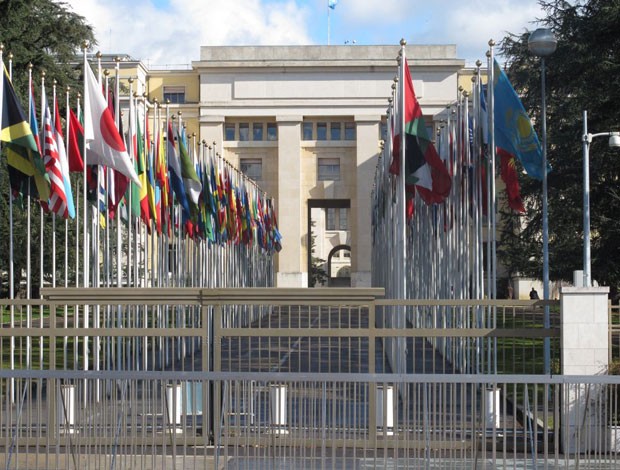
(292, 269)
(366, 152)
(585, 351)
(212, 130)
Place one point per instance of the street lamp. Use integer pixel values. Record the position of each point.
(543, 43)
(614, 141)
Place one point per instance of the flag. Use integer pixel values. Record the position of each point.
(76, 143)
(332, 3)
(513, 129)
(64, 164)
(508, 172)
(103, 139)
(176, 175)
(188, 171)
(58, 198)
(23, 153)
(423, 166)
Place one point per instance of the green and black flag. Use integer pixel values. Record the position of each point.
(20, 145)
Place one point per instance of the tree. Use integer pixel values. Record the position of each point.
(583, 74)
(47, 35)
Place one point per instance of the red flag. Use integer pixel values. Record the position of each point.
(423, 166)
(76, 141)
(509, 176)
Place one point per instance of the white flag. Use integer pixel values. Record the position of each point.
(103, 140)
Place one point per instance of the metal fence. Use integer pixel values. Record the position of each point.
(285, 378)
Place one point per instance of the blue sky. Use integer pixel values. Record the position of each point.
(171, 32)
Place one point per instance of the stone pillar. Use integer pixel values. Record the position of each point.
(361, 206)
(585, 350)
(292, 265)
(212, 130)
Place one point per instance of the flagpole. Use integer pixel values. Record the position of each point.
(11, 260)
(402, 281)
(86, 240)
(117, 114)
(328, 21)
(493, 198)
(41, 222)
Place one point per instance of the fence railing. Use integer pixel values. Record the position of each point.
(134, 377)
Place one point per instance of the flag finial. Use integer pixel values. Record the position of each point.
(491, 42)
(403, 42)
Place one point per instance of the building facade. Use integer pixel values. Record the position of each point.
(306, 123)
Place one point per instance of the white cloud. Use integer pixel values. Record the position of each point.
(171, 31)
(173, 34)
(470, 25)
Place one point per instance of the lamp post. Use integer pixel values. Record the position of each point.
(614, 141)
(543, 43)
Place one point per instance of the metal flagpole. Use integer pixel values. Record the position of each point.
(493, 203)
(11, 260)
(41, 225)
(403, 208)
(86, 238)
(66, 307)
(328, 21)
(119, 225)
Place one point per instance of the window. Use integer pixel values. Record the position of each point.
(335, 130)
(330, 223)
(176, 94)
(329, 169)
(229, 131)
(257, 131)
(430, 132)
(252, 168)
(272, 131)
(346, 254)
(343, 223)
(349, 131)
(307, 131)
(244, 131)
(321, 131)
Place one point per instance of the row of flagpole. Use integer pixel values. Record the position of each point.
(227, 238)
(433, 247)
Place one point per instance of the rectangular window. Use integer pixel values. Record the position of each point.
(343, 223)
(229, 131)
(244, 131)
(307, 131)
(321, 131)
(335, 130)
(430, 131)
(257, 131)
(330, 223)
(176, 94)
(349, 131)
(329, 169)
(252, 168)
(272, 131)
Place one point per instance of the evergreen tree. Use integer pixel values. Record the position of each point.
(48, 35)
(582, 74)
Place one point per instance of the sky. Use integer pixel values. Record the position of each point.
(170, 32)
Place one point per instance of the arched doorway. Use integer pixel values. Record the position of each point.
(339, 266)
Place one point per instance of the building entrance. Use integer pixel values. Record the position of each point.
(329, 243)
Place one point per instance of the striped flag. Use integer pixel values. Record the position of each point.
(58, 199)
(64, 162)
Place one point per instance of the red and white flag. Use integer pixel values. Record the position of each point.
(58, 198)
(104, 143)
